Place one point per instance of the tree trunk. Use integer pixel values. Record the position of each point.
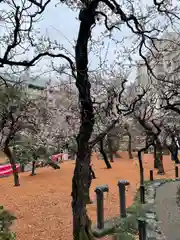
(33, 168)
(159, 159)
(141, 168)
(22, 167)
(155, 156)
(174, 152)
(170, 148)
(110, 149)
(176, 155)
(93, 173)
(80, 188)
(7, 151)
(130, 146)
(73, 155)
(108, 165)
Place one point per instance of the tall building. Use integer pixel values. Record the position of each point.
(164, 61)
(142, 78)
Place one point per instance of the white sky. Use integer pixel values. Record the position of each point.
(61, 24)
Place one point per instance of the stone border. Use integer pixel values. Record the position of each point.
(153, 227)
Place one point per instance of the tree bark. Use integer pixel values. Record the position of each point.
(171, 150)
(159, 158)
(80, 190)
(108, 165)
(8, 152)
(93, 173)
(33, 173)
(22, 167)
(174, 152)
(130, 146)
(155, 156)
(176, 155)
(110, 149)
(141, 169)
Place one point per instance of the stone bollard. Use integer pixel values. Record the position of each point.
(151, 175)
(100, 204)
(142, 228)
(122, 196)
(176, 172)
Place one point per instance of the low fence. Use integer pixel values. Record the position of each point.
(122, 184)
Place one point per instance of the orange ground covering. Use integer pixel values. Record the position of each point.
(42, 204)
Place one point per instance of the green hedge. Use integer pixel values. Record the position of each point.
(6, 219)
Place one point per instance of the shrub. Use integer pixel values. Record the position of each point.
(6, 219)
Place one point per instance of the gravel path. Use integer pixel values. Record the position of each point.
(167, 210)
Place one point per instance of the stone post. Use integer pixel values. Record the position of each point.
(122, 196)
(142, 228)
(100, 204)
(176, 172)
(151, 175)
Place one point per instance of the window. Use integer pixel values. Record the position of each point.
(160, 76)
(168, 63)
(160, 67)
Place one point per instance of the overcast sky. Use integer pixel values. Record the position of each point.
(61, 24)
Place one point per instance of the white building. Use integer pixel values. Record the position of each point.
(164, 62)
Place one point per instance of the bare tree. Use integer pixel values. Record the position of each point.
(16, 116)
(127, 127)
(59, 109)
(148, 117)
(137, 20)
(104, 95)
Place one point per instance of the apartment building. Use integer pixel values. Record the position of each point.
(164, 61)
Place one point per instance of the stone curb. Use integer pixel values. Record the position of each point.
(153, 225)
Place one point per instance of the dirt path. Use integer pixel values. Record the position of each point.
(42, 204)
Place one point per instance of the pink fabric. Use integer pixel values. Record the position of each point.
(55, 157)
(7, 169)
(6, 172)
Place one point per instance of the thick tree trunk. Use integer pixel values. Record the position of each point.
(130, 146)
(109, 142)
(108, 165)
(80, 181)
(33, 173)
(174, 152)
(155, 156)
(169, 147)
(9, 154)
(159, 159)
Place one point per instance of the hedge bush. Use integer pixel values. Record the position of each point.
(6, 219)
